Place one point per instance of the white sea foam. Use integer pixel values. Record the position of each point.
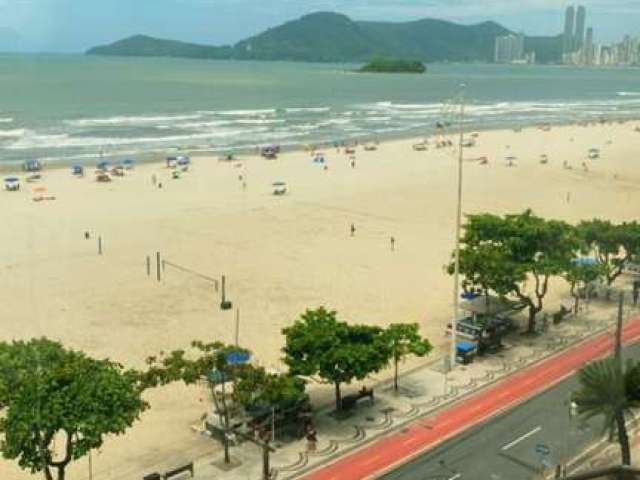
(6, 120)
(133, 120)
(628, 94)
(67, 141)
(258, 121)
(308, 109)
(374, 118)
(247, 113)
(335, 121)
(16, 133)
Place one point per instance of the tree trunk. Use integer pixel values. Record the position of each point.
(338, 397)
(225, 417)
(266, 468)
(576, 304)
(623, 438)
(532, 319)
(47, 473)
(395, 374)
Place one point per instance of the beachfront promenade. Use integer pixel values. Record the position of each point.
(399, 427)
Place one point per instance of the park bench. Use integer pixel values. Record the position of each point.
(351, 401)
(561, 314)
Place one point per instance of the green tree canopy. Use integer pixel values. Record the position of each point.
(49, 392)
(579, 276)
(612, 245)
(404, 339)
(252, 387)
(393, 65)
(319, 344)
(515, 255)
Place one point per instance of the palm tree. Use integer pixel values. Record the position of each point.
(610, 390)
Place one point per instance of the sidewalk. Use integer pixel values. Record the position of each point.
(423, 391)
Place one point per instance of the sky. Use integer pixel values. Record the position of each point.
(75, 25)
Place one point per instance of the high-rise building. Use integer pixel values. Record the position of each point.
(588, 47)
(581, 18)
(569, 24)
(509, 48)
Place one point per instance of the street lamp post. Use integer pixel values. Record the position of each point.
(456, 272)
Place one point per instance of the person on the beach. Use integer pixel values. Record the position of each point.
(87, 235)
(393, 244)
(353, 162)
(568, 197)
(353, 230)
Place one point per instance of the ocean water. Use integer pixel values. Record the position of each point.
(79, 108)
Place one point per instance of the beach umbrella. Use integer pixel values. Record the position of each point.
(238, 358)
(585, 261)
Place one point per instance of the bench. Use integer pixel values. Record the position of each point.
(177, 471)
(561, 314)
(351, 401)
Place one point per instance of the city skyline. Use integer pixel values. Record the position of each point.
(65, 25)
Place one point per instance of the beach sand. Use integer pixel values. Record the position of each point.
(280, 255)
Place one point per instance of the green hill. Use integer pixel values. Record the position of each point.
(332, 37)
(144, 46)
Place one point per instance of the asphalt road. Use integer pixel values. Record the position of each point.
(514, 445)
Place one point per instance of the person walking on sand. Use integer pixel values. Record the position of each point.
(353, 230)
(393, 244)
(353, 162)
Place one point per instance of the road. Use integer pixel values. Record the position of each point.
(505, 447)
(431, 432)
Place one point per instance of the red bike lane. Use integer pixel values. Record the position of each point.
(398, 448)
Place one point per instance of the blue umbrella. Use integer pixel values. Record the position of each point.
(238, 358)
(585, 261)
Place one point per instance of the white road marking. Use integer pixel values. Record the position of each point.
(523, 437)
(455, 477)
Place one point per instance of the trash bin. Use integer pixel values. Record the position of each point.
(465, 352)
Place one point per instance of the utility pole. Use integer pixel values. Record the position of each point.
(456, 275)
(618, 350)
(237, 333)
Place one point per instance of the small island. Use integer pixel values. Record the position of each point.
(393, 65)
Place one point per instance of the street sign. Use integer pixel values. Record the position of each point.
(543, 449)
